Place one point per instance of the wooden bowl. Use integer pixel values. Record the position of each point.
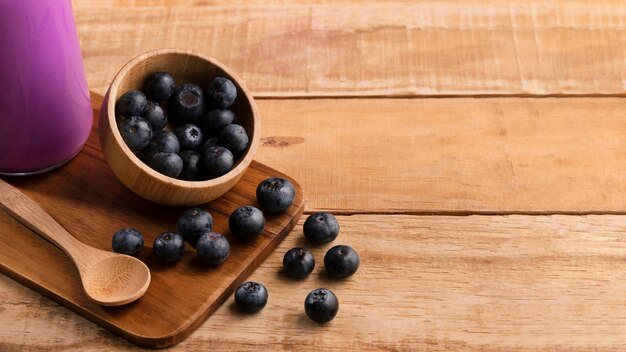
(185, 67)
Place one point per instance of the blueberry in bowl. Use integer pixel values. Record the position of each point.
(183, 87)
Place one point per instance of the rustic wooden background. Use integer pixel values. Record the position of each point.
(476, 151)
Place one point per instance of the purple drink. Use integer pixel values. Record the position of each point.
(45, 113)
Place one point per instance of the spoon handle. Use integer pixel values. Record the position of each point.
(29, 213)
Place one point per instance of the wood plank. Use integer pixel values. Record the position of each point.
(378, 49)
(432, 283)
(449, 155)
(460, 155)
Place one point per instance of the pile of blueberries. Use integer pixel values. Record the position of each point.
(205, 143)
(246, 223)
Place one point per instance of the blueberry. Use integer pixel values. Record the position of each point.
(155, 115)
(161, 142)
(246, 222)
(321, 228)
(298, 262)
(191, 165)
(189, 136)
(235, 138)
(213, 121)
(212, 248)
(136, 132)
(341, 262)
(221, 92)
(193, 223)
(210, 142)
(127, 241)
(169, 247)
(275, 194)
(321, 305)
(132, 103)
(159, 86)
(217, 161)
(186, 103)
(251, 296)
(169, 164)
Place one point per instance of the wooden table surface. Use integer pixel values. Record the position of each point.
(474, 151)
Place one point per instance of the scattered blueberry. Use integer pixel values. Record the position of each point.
(193, 223)
(187, 103)
(213, 121)
(321, 305)
(131, 103)
(212, 248)
(191, 166)
(136, 132)
(127, 241)
(341, 262)
(169, 164)
(321, 228)
(235, 138)
(251, 297)
(159, 86)
(189, 136)
(221, 92)
(298, 262)
(217, 161)
(246, 222)
(275, 194)
(155, 115)
(169, 247)
(161, 142)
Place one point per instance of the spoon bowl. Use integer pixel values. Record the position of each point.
(116, 280)
(109, 279)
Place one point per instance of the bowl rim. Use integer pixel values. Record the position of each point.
(112, 122)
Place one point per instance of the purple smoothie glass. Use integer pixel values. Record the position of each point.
(45, 113)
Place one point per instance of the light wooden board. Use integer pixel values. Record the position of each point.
(406, 49)
(450, 155)
(476, 283)
(497, 155)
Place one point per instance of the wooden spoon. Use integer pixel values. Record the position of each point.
(110, 279)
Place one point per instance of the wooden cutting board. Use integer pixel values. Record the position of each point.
(85, 197)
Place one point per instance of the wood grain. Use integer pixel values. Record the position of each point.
(449, 155)
(170, 3)
(426, 283)
(91, 204)
(378, 49)
(497, 155)
(108, 278)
